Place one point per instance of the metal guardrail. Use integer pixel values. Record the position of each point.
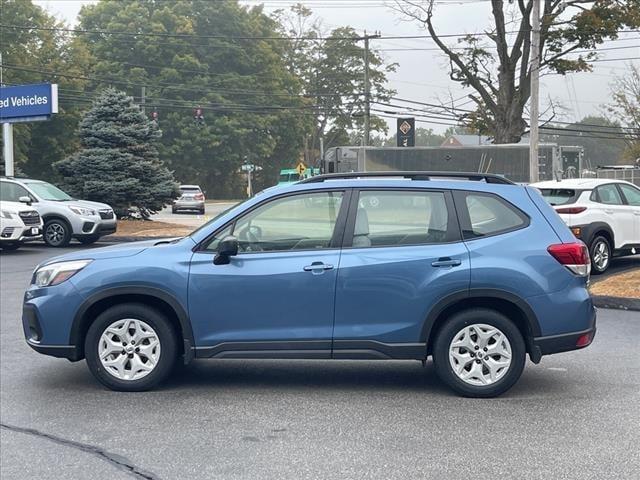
(629, 174)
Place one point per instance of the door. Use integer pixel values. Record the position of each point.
(632, 199)
(276, 297)
(402, 255)
(617, 214)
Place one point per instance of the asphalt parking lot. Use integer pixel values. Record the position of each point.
(574, 416)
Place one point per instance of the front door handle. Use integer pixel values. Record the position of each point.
(318, 267)
(447, 262)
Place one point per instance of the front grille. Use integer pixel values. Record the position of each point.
(106, 214)
(7, 232)
(30, 218)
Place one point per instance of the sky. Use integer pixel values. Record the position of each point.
(423, 75)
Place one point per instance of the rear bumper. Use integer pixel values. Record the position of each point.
(564, 342)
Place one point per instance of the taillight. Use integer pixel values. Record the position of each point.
(199, 196)
(574, 256)
(571, 210)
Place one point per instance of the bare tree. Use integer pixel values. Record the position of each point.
(495, 64)
(625, 92)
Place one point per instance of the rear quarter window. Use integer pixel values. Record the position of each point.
(486, 214)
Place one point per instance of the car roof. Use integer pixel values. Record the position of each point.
(577, 183)
(189, 186)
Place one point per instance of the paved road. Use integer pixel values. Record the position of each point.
(192, 219)
(574, 416)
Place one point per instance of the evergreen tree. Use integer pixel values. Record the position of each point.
(118, 163)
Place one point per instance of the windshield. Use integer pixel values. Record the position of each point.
(46, 191)
(558, 196)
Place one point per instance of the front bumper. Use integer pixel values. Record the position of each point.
(21, 234)
(33, 335)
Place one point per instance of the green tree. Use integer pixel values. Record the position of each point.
(425, 137)
(118, 163)
(331, 66)
(38, 144)
(496, 65)
(252, 106)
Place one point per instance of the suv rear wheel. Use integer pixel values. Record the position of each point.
(600, 252)
(479, 353)
(131, 347)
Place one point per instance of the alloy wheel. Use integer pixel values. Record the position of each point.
(55, 233)
(480, 354)
(129, 349)
(601, 255)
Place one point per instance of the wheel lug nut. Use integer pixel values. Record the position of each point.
(477, 361)
(131, 355)
(473, 354)
(124, 344)
(137, 349)
(477, 347)
(133, 342)
(485, 349)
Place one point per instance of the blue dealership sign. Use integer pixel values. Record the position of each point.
(27, 103)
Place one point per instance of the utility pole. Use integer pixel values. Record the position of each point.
(367, 87)
(7, 137)
(535, 92)
(142, 99)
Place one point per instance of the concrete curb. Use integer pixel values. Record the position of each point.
(618, 303)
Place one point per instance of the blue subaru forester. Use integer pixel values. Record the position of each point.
(470, 269)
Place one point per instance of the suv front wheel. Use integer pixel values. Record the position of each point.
(479, 353)
(131, 347)
(56, 233)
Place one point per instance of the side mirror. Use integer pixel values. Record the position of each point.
(228, 247)
(25, 199)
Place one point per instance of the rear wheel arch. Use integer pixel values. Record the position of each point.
(600, 229)
(151, 297)
(516, 309)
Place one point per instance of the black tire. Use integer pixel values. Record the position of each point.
(201, 211)
(9, 246)
(174, 210)
(166, 336)
(466, 318)
(597, 266)
(88, 240)
(56, 233)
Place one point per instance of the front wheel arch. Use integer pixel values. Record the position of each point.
(152, 297)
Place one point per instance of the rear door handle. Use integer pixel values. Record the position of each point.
(318, 267)
(447, 262)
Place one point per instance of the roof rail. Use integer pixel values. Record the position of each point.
(424, 176)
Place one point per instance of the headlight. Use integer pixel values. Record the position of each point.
(82, 211)
(6, 214)
(58, 272)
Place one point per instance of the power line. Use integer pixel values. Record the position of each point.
(233, 37)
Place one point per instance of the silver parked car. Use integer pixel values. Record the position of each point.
(64, 217)
(191, 198)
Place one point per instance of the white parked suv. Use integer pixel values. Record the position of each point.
(603, 213)
(18, 224)
(64, 217)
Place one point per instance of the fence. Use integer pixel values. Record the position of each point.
(629, 174)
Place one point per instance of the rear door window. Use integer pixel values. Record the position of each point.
(607, 194)
(485, 214)
(387, 218)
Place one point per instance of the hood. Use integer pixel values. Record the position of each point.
(87, 204)
(15, 207)
(128, 249)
